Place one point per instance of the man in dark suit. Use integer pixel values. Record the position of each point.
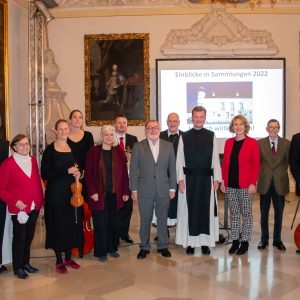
(126, 142)
(172, 134)
(153, 184)
(3, 155)
(273, 182)
(294, 160)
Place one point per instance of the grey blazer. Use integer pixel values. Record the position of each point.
(275, 168)
(152, 179)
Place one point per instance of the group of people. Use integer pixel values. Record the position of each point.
(173, 174)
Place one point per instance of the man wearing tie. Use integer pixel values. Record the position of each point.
(153, 184)
(273, 182)
(126, 142)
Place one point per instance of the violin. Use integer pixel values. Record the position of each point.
(76, 188)
(77, 200)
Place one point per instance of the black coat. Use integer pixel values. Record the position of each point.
(3, 150)
(130, 140)
(294, 160)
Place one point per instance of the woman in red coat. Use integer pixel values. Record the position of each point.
(240, 170)
(21, 189)
(107, 185)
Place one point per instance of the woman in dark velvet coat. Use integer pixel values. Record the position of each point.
(107, 185)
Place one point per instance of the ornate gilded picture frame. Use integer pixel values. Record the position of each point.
(116, 78)
(4, 128)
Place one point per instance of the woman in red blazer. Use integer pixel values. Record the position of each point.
(106, 178)
(21, 189)
(240, 170)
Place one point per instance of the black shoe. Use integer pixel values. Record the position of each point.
(221, 240)
(279, 245)
(20, 273)
(164, 252)
(103, 258)
(114, 254)
(30, 269)
(142, 254)
(243, 248)
(205, 250)
(234, 247)
(127, 239)
(262, 245)
(3, 269)
(190, 250)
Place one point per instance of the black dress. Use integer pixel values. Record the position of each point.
(63, 222)
(80, 149)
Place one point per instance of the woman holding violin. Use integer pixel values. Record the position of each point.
(107, 185)
(80, 142)
(21, 189)
(63, 222)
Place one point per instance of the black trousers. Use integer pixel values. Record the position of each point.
(106, 227)
(2, 225)
(124, 218)
(278, 204)
(22, 237)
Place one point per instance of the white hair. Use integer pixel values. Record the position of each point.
(105, 129)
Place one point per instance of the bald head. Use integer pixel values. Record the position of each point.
(173, 122)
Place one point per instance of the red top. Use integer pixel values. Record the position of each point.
(249, 162)
(16, 185)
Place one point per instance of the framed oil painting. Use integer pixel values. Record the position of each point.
(116, 78)
(4, 128)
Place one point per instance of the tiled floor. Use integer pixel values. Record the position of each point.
(269, 274)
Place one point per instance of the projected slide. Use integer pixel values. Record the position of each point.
(225, 87)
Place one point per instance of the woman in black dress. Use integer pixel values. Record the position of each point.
(63, 223)
(80, 142)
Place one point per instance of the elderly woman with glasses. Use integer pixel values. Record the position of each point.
(107, 185)
(21, 189)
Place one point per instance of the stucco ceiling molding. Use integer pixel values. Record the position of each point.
(219, 33)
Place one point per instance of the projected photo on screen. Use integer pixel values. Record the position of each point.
(223, 101)
(226, 87)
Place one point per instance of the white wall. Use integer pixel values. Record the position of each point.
(17, 68)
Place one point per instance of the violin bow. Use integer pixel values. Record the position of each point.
(295, 213)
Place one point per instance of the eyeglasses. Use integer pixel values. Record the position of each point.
(273, 127)
(152, 128)
(23, 144)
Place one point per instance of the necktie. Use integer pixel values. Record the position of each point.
(273, 148)
(122, 143)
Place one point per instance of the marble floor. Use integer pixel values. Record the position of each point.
(267, 274)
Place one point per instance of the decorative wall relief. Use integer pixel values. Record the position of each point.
(219, 33)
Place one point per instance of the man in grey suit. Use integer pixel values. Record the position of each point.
(153, 184)
(273, 182)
